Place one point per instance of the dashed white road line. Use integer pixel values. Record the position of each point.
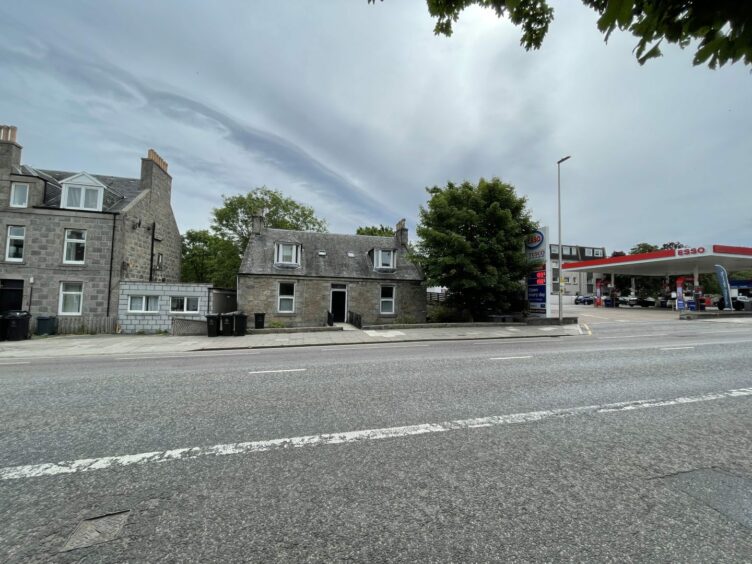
(278, 371)
(90, 464)
(675, 348)
(509, 357)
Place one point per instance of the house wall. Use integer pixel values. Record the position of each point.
(259, 294)
(162, 319)
(150, 209)
(43, 257)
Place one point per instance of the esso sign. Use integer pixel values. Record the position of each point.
(692, 251)
(535, 240)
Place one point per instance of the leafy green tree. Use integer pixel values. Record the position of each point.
(721, 30)
(233, 220)
(208, 258)
(640, 248)
(472, 242)
(672, 245)
(378, 230)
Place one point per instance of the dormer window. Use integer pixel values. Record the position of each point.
(82, 198)
(384, 258)
(288, 254)
(82, 192)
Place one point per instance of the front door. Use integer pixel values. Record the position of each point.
(11, 295)
(339, 303)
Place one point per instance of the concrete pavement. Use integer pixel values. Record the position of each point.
(84, 345)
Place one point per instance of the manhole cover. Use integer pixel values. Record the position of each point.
(728, 494)
(96, 530)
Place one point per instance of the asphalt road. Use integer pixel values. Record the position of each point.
(632, 442)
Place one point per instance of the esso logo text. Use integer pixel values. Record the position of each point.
(535, 240)
(692, 251)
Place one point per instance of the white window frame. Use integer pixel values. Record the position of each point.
(554, 249)
(278, 254)
(280, 297)
(62, 294)
(144, 303)
(83, 188)
(379, 256)
(67, 240)
(13, 189)
(597, 252)
(185, 309)
(392, 300)
(9, 238)
(588, 252)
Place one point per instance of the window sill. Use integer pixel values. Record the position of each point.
(143, 312)
(73, 263)
(286, 265)
(61, 314)
(286, 313)
(14, 261)
(184, 313)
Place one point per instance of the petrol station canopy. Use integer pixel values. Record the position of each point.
(670, 262)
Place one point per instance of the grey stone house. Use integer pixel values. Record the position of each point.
(67, 239)
(297, 278)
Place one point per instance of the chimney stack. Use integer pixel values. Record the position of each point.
(10, 150)
(400, 233)
(257, 224)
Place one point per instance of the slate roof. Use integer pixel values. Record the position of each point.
(259, 256)
(118, 194)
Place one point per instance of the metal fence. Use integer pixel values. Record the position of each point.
(355, 319)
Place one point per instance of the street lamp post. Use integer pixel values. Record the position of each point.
(561, 252)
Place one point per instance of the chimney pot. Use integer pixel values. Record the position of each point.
(159, 161)
(8, 133)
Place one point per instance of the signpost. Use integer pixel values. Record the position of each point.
(538, 280)
(680, 293)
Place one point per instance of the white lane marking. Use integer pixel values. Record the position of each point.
(89, 464)
(508, 357)
(12, 363)
(513, 329)
(278, 371)
(675, 348)
(589, 332)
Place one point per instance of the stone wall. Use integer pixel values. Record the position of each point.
(162, 319)
(43, 258)
(259, 294)
(149, 217)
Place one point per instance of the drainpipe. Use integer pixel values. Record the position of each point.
(151, 258)
(112, 258)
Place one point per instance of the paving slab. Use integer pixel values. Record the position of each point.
(85, 345)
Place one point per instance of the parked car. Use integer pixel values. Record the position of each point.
(584, 300)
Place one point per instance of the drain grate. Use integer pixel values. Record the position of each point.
(728, 494)
(96, 530)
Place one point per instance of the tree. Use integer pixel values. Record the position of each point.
(672, 245)
(378, 230)
(233, 220)
(472, 242)
(640, 248)
(722, 28)
(208, 258)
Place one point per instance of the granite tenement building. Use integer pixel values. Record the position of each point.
(67, 239)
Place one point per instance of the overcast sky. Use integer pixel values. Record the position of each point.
(355, 108)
